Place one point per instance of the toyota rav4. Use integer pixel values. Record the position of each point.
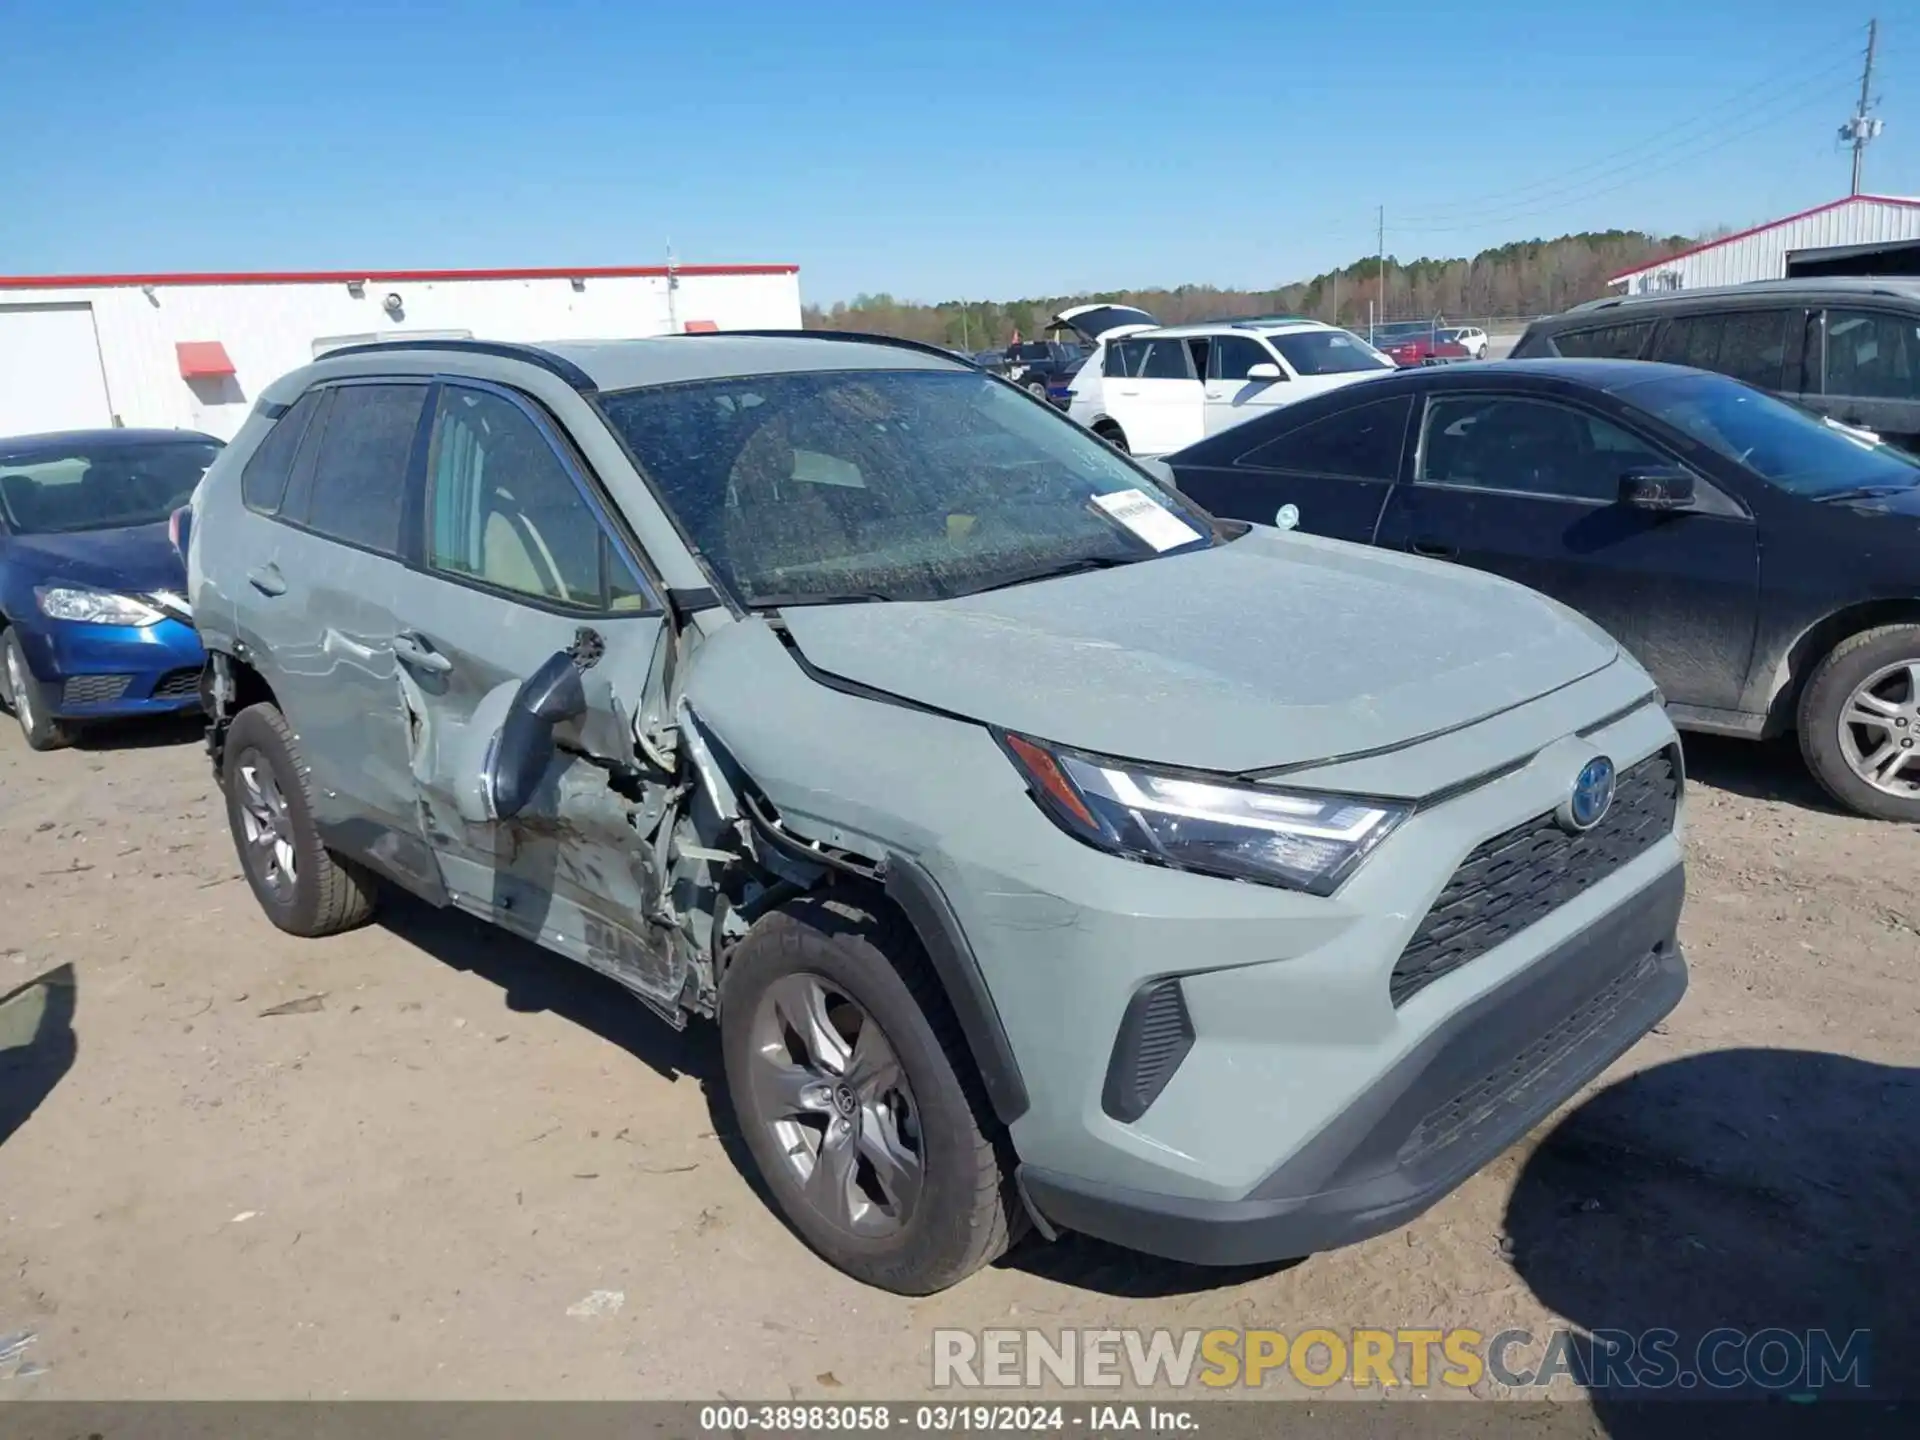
(1050, 853)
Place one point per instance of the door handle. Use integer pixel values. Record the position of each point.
(268, 580)
(1127, 392)
(1433, 549)
(414, 651)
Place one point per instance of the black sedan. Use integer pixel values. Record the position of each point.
(1763, 564)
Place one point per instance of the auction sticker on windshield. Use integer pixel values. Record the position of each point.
(1151, 522)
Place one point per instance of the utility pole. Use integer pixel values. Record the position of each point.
(1863, 127)
(1382, 252)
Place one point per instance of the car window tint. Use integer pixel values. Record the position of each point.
(1361, 443)
(1502, 442)
(1749, 345)
(1234, 355)
(1873, 355)
(1166, 360)
(1607, 342)
(360, 472)
(502, 508)
(1123, 357)
(263, 484)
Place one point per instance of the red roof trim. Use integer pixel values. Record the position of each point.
(342, 277)
(1770, 225)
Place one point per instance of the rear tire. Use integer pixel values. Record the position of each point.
(926, 1199)
(1113, 435)
(1859, 719)
(305, 888)
(42, 731)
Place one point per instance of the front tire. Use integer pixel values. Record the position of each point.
(856, 1096)
(42, 731)
(304, 888)
(1859, 723)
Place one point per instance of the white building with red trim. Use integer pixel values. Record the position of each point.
(194, 351)
(1838, 233)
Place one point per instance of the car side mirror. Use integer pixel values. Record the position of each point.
(1657, 488)
(547, 699)
(1265, 370)
(1160, 471)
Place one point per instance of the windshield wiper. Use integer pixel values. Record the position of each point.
(1863, 492)
(1055, 569)
(794, 599)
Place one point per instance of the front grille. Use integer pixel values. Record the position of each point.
(1155, 1035)
(94, 689)
(1519, 877)
(177, 685)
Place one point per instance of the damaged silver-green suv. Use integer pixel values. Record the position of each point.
(1051, 854)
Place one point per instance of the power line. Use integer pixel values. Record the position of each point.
(1670, 162)
(1612, 163)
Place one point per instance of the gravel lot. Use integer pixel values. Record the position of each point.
(426, 1160)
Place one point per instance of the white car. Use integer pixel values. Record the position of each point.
(1152, 389)
(1471, 337)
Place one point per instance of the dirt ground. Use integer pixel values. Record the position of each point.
(426, 1160)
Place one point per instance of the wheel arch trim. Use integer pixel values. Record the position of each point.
(919, 897)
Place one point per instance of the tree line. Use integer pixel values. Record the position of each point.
(1526, 277)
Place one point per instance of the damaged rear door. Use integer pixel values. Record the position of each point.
(518, 562)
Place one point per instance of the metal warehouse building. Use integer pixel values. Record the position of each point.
(194, 351)
(1860, 235)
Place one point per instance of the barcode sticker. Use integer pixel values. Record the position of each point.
(1146, 518)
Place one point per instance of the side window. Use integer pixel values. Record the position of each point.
(502, 509)
(1608, 342)
(1503, 442)
(1749, 345)
(1123, 358)
(1361, 443)
(263, 484)
(1166, 360)
(359, 483)
(1872, 355)
(1234, 355)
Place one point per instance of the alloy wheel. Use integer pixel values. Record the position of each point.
(1879, 727)
(19, 690)
(827, 1083)
(267, 825)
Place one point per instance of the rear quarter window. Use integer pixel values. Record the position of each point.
(1603, 342)
(263, 483)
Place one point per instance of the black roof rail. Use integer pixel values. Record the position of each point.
(858, 335)
(566, 370)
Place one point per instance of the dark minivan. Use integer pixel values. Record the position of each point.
(1843, 346)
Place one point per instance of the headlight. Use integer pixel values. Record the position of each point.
(96, 607)
(1293, 838)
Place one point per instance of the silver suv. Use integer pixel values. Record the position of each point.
(1048, 851)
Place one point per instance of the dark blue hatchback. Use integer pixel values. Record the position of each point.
(94, 623)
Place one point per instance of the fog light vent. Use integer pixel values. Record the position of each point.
(1155, 1035)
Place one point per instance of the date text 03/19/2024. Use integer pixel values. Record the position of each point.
(945, 1419)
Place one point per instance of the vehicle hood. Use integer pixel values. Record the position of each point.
(1272, 650)
(138, 559)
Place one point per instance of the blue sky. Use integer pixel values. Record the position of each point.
(930, 150)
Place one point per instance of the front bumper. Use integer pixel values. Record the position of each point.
(99, 672)
(1483, 1078)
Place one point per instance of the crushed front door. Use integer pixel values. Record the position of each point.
(519, 563)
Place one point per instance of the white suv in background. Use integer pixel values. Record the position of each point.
(1153, 389)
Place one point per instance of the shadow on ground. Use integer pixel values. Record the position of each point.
(144, 734)
(37, 1044)
(531, 979)
(1757, 769)
(1741, 1190)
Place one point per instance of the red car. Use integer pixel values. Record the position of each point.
(1419, 343)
